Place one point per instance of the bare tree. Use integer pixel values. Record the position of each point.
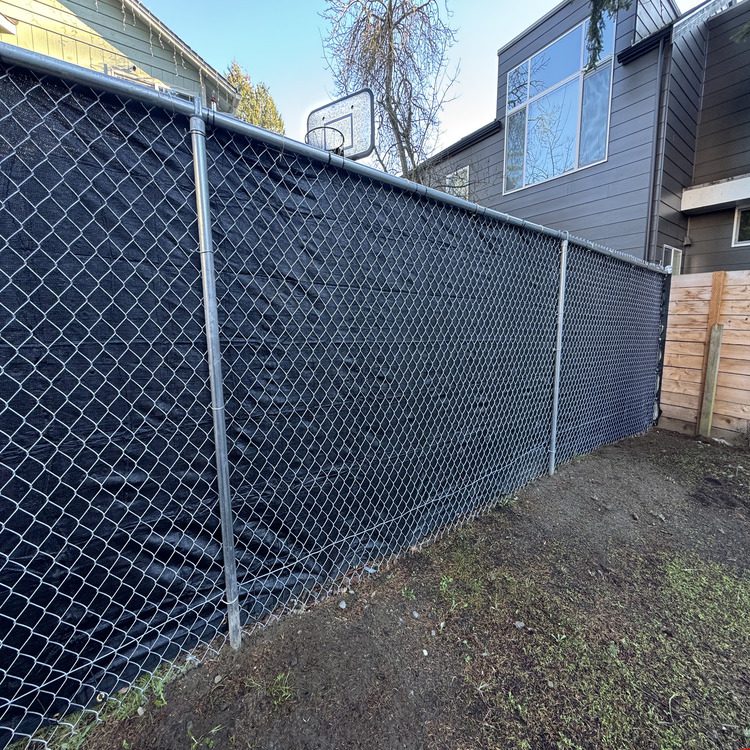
(399, 49)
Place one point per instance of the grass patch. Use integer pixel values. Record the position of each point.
(667, 671)
(279, 690)
(73, 733)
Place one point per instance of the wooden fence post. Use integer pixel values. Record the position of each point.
(711, 375)
(718, 279)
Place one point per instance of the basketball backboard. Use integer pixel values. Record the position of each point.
(346, 125)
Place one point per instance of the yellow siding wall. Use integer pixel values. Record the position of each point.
(98, 35)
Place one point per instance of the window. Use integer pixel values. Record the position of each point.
(457, 183)
(558, 110)
(741, 234)
(672, 256)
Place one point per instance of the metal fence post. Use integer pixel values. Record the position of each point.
(208, 274)
(558, 352)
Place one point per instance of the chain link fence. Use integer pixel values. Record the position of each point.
(235, 369)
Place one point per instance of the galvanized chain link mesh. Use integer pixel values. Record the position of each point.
(611, 340)
(388, 360)
(388, 365)
(108, 518)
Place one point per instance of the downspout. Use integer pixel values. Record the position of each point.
(652, 188)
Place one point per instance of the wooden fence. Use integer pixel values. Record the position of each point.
(706, 387)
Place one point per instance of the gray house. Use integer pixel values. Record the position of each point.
(648, 153)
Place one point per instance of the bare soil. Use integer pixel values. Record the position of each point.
(605, 607)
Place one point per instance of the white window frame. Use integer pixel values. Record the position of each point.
(736, 242)
(672, 257)
(581, 74)
(449, 188)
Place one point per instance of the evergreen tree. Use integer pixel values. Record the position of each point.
(256, 105)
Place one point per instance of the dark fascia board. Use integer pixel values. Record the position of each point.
(629, 54)
(468, 140)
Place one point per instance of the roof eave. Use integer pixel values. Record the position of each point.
(187, 51)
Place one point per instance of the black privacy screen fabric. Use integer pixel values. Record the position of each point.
(109, 546)
(387, 368)
(387, 363)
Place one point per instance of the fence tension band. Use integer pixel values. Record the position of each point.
(208, 275)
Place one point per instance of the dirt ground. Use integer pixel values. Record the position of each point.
(605, 607)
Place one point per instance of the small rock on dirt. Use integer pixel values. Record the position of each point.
(342, 604)
(415, 614)
(519, 624)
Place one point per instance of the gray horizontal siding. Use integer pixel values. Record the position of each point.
(711, 245)
(483, 159)
(723, 142)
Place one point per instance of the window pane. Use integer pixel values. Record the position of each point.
(457, 183)
(552, 130)
(594, 116)
(558, 61)
(518, 79)
(743, 227)
(515, 144)
(608, 39)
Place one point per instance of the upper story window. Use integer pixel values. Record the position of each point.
(741, 234)
(457, 183)
(557, 115)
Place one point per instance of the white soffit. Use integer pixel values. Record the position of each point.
(727, 193)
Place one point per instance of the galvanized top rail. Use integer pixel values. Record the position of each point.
(12, 55)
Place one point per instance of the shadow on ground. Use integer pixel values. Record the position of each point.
(605, 607)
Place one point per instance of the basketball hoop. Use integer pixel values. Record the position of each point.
(345, 126)
(326, 138)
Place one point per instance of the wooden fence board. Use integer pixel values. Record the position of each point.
(728, 307)
(687, 347)
(688, 321)
(680, 387)
(680, 412)
(732, 424)
(737, 337)
(735, 322)
(692, 279)
(740, 291)
(736, 351)
(736, 278)
(687, 334)
(683, 374)
(735, 395)
(680, 399)
(732, 380)
(732, 409)
(696, 307)
(737, 366)
(683, 360)
(694, 293)
(677, 425)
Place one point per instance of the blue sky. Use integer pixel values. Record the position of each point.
(279, 42)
